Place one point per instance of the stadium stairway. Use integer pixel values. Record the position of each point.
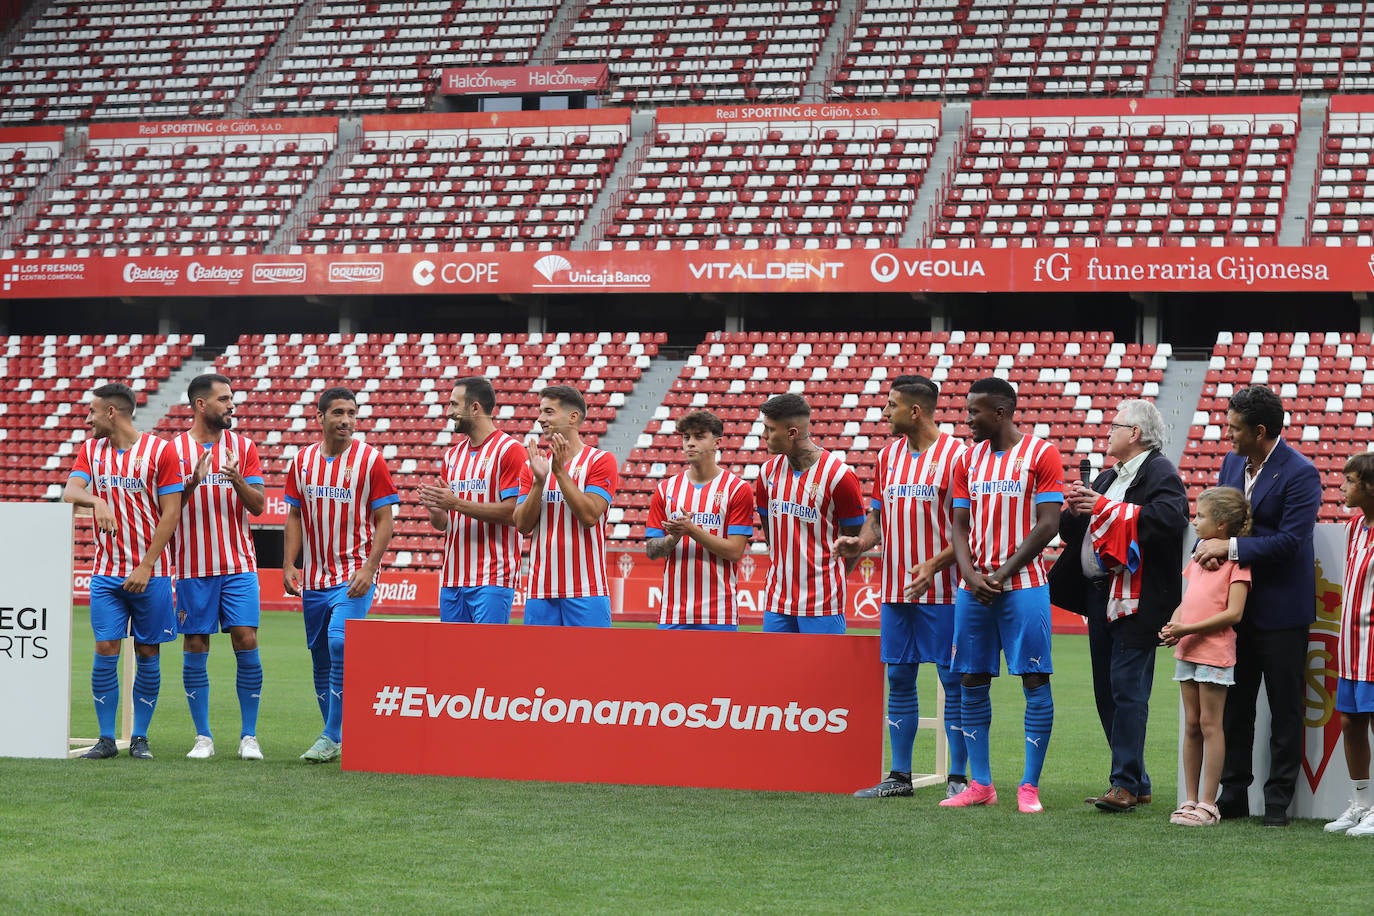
(598, 218)
(953, 120)
(1172, 36)
(267, 67)
(286, 241)
(633, 418)
(545, 53)
(172, 392)
(1304, 173)
(1179, 392)
(832, 51)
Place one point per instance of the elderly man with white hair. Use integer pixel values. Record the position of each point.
(1121, 569)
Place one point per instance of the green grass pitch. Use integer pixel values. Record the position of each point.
(281, 836)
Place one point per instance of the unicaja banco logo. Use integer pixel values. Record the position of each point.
(551, 265)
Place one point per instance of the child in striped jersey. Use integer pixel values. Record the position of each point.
(1355, 683)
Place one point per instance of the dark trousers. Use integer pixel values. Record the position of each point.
(1123, 676)
(1279, 657)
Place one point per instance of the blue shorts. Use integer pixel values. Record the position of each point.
(914, 633)
(1205, 674)
(827, 624)
(718, 627)
(213, 604)
(1017, 623)
(326, 609)
(149, 617)
(1354, 697)
(593, 611)
(475, 604)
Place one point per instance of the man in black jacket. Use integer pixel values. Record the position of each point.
(1138, 510)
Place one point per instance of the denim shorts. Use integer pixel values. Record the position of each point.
(1205, 674)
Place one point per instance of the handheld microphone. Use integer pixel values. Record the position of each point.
(1085, 470)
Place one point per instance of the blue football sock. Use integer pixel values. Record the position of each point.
(954, 721)
(249, 685)
(977, 722)
(195, 680)
(903, 717)
(319, 655)
(1039, 724)
(147, 685)
(333, 723)
(105, 693)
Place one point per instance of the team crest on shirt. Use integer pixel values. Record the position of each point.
(1016, 465)
(484, 466)
(348, 475)
(720, 501)
(138, 465)
(813, 490)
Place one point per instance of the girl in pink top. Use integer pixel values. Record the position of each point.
(1205, 646)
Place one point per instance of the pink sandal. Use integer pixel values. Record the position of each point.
(1183, 811)
(1202, 815)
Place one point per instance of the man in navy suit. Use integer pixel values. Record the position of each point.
(1123, 635)
(1284, 490)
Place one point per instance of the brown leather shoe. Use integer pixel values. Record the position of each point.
(1145, 799)
(1116, 800)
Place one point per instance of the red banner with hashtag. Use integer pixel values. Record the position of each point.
(647, 707)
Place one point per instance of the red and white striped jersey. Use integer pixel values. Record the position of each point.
(480, 553)
(698, 586)
(1356, 646)
(911, 490)
(337, 497)
(1114, 530)
(213, 538)
(803, 512)
(1001, 491)
(568, 559)
(131, 483)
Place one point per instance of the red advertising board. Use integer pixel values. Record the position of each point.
(897, 270)
(636, 593)
(524, 80)
(645, 707)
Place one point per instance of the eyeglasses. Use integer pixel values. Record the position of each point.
(1124, 426)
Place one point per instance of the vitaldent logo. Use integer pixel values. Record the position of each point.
(356, 272)
(134, 273)
(767, 270)
(887, 267)
(278, 273)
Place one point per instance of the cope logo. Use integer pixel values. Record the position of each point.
(455, 273)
